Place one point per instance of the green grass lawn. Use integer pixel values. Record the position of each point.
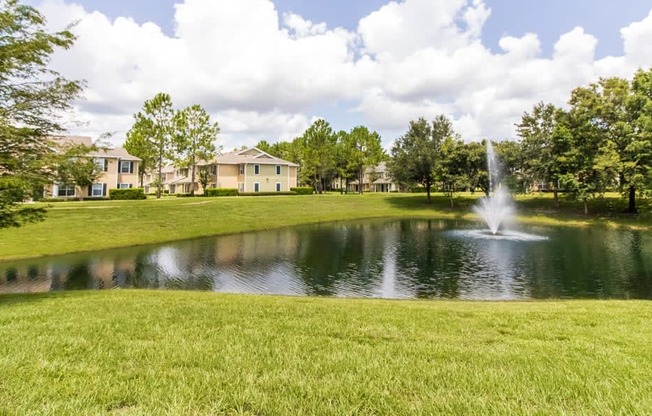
(92, 225)
(147, 353)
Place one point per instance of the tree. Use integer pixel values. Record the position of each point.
(137, 144)
(74, 166)
(453, 166)
(155, 126)
(319, 142)
(544, 146)
(204, 177)
(33, 98)
(416, 153)
(361, 149)
(194, 139)
(618, 114)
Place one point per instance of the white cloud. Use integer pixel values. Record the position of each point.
(262, 75)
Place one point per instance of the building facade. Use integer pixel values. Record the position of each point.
(247, 170)
(119, 170)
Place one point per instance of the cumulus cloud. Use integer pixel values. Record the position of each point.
(261, 74)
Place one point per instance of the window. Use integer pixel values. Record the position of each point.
(256, 169)
(278, 169)
(241, 187)
(97, 189)
(256, 186)
(126, 166)
(278, 186)
(242, 171)
(66, 190)
(124, 185)
(102, 163)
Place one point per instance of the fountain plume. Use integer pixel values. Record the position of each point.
(496, 209)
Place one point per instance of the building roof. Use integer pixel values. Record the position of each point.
(251, 155)
(116, 153)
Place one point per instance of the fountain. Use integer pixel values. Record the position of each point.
(496, 209)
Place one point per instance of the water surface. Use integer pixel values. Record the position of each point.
(380, 258)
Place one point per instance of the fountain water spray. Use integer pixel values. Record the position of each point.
(496, 209)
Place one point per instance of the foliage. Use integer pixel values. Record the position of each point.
(127, 194)
(415, 154)
(74, 167)
(272, 193)
(193, 139)
(306, 190)
(138, 144)
(203, 177)
(153, 130)
(221, 192)
(33, 98)
(318, 161)
(359, 149)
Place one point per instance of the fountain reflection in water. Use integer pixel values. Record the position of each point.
(496, 209)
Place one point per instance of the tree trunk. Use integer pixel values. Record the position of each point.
(586, 207)
(428, 192)
(192, 177)
(160, 176)
(632, 200)
(360, 179)
(556, 197)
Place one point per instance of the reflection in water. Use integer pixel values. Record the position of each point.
(389, 259)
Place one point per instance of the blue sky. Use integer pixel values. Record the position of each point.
(264, 74)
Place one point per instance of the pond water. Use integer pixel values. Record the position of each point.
(380, 258)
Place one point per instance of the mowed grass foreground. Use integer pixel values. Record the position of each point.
(148, 353)
(94, 225)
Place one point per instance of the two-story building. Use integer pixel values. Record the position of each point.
(119, 170)
(247, 170)
(375, 179)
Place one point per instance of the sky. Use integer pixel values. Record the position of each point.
(265, 70)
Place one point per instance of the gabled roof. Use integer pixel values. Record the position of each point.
(251, 155)
(117, 153)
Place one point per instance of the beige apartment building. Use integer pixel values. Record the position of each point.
(247, 170)
(120, 170)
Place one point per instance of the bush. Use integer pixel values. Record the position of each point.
(304, 190)
(266, 193)
(221, 192)
(124, 194)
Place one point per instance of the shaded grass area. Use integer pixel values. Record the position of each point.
(82, 226)
(147, 352)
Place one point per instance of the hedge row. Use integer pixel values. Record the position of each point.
(124, 194)
(266, 193)
(221, 192)
(304, 190)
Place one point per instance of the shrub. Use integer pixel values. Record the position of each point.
(131, 193)
(304, 190)
(266, 193)
(221, 192)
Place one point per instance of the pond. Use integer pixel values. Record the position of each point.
(379, 258)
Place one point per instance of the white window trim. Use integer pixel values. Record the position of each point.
(100, 161)
(256, 183)
(59, 187)
(128, 162)
(278, 169)
(279, 187)
(101, 187)
(257, 167)
(124, 185)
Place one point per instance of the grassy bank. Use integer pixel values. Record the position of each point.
(92, 225)
(128, 352)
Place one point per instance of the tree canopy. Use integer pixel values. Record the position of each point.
(33, 98)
